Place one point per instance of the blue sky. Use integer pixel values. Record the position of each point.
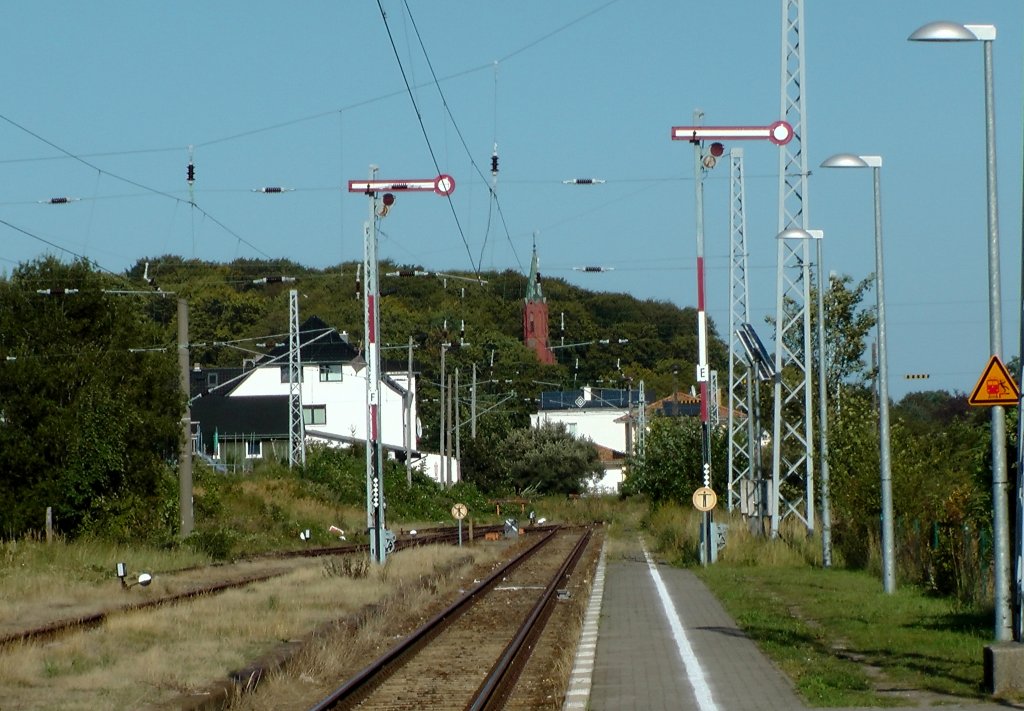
(308, 95)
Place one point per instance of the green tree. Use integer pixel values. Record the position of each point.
(88, 422)
(848, 323)
(543, 460)
(672, 466)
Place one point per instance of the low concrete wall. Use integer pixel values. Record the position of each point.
(1004, 667)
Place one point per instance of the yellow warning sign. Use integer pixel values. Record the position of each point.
(995, 387)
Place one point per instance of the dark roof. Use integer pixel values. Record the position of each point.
(201, 382)
(600, 398)
(259, 416)
(315, 347)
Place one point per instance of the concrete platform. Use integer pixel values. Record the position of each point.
(655, 638)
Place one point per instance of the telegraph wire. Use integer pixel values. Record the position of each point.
(465, 146)
(313, 117)
(73, 253)
(423, 129)
(135, 183)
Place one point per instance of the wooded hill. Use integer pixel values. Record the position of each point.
(611, 340)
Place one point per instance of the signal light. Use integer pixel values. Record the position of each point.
(717, 149)
(388, 199)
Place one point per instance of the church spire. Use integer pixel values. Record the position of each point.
(535, 314)
(533, 288)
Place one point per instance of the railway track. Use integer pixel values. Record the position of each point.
(69, 625)
(469, 655)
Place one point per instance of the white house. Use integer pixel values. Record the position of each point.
(243, 413)
(600, 415)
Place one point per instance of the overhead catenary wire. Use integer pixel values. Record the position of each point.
(472, 161)
(84, 157)
(129, 181)
(423, 128)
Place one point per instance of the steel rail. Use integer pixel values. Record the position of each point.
(495, 689)
(59, 627)
(365, 679)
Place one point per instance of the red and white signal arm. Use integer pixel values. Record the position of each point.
(780, 133)
(443, 185)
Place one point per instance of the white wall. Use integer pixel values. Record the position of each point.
(597, 425)
(431, 464)
(613, 477)
(345, 401)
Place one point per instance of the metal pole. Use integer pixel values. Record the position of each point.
(826, 503)
(441, 431)
(374, 466)
(408, 419)
(447, 435)
(888, 536)
(702, 352)
(472, 407)
(185, 456)
(1000, 505)
(457, 423)
(1018, 537)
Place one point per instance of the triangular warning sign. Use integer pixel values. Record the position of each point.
(995, 387)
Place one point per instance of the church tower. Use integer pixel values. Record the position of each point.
(535, 315)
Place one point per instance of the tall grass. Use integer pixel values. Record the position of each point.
(675, 532)
(137, 659)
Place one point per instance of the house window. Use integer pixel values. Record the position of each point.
(212, 380)
(330, 373)
(253, 449)
(314, 414)
(284, 374)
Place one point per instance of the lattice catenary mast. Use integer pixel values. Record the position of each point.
(792, 432)
(296, 426)
(741, 402)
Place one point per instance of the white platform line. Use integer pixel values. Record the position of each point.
(578, 694)
(694, 672)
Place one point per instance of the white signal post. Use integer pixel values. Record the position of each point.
(778, 133)
(381, 539)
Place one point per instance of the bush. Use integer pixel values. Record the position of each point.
(217, 543)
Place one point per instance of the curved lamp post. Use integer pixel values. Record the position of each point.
(954, 32)
(826, 504)
(849, 160)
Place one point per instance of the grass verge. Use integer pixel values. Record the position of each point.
(842, 640)
(834, 632)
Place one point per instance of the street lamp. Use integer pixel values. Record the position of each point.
(955, 32)
(849, 160)
(826, 505)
